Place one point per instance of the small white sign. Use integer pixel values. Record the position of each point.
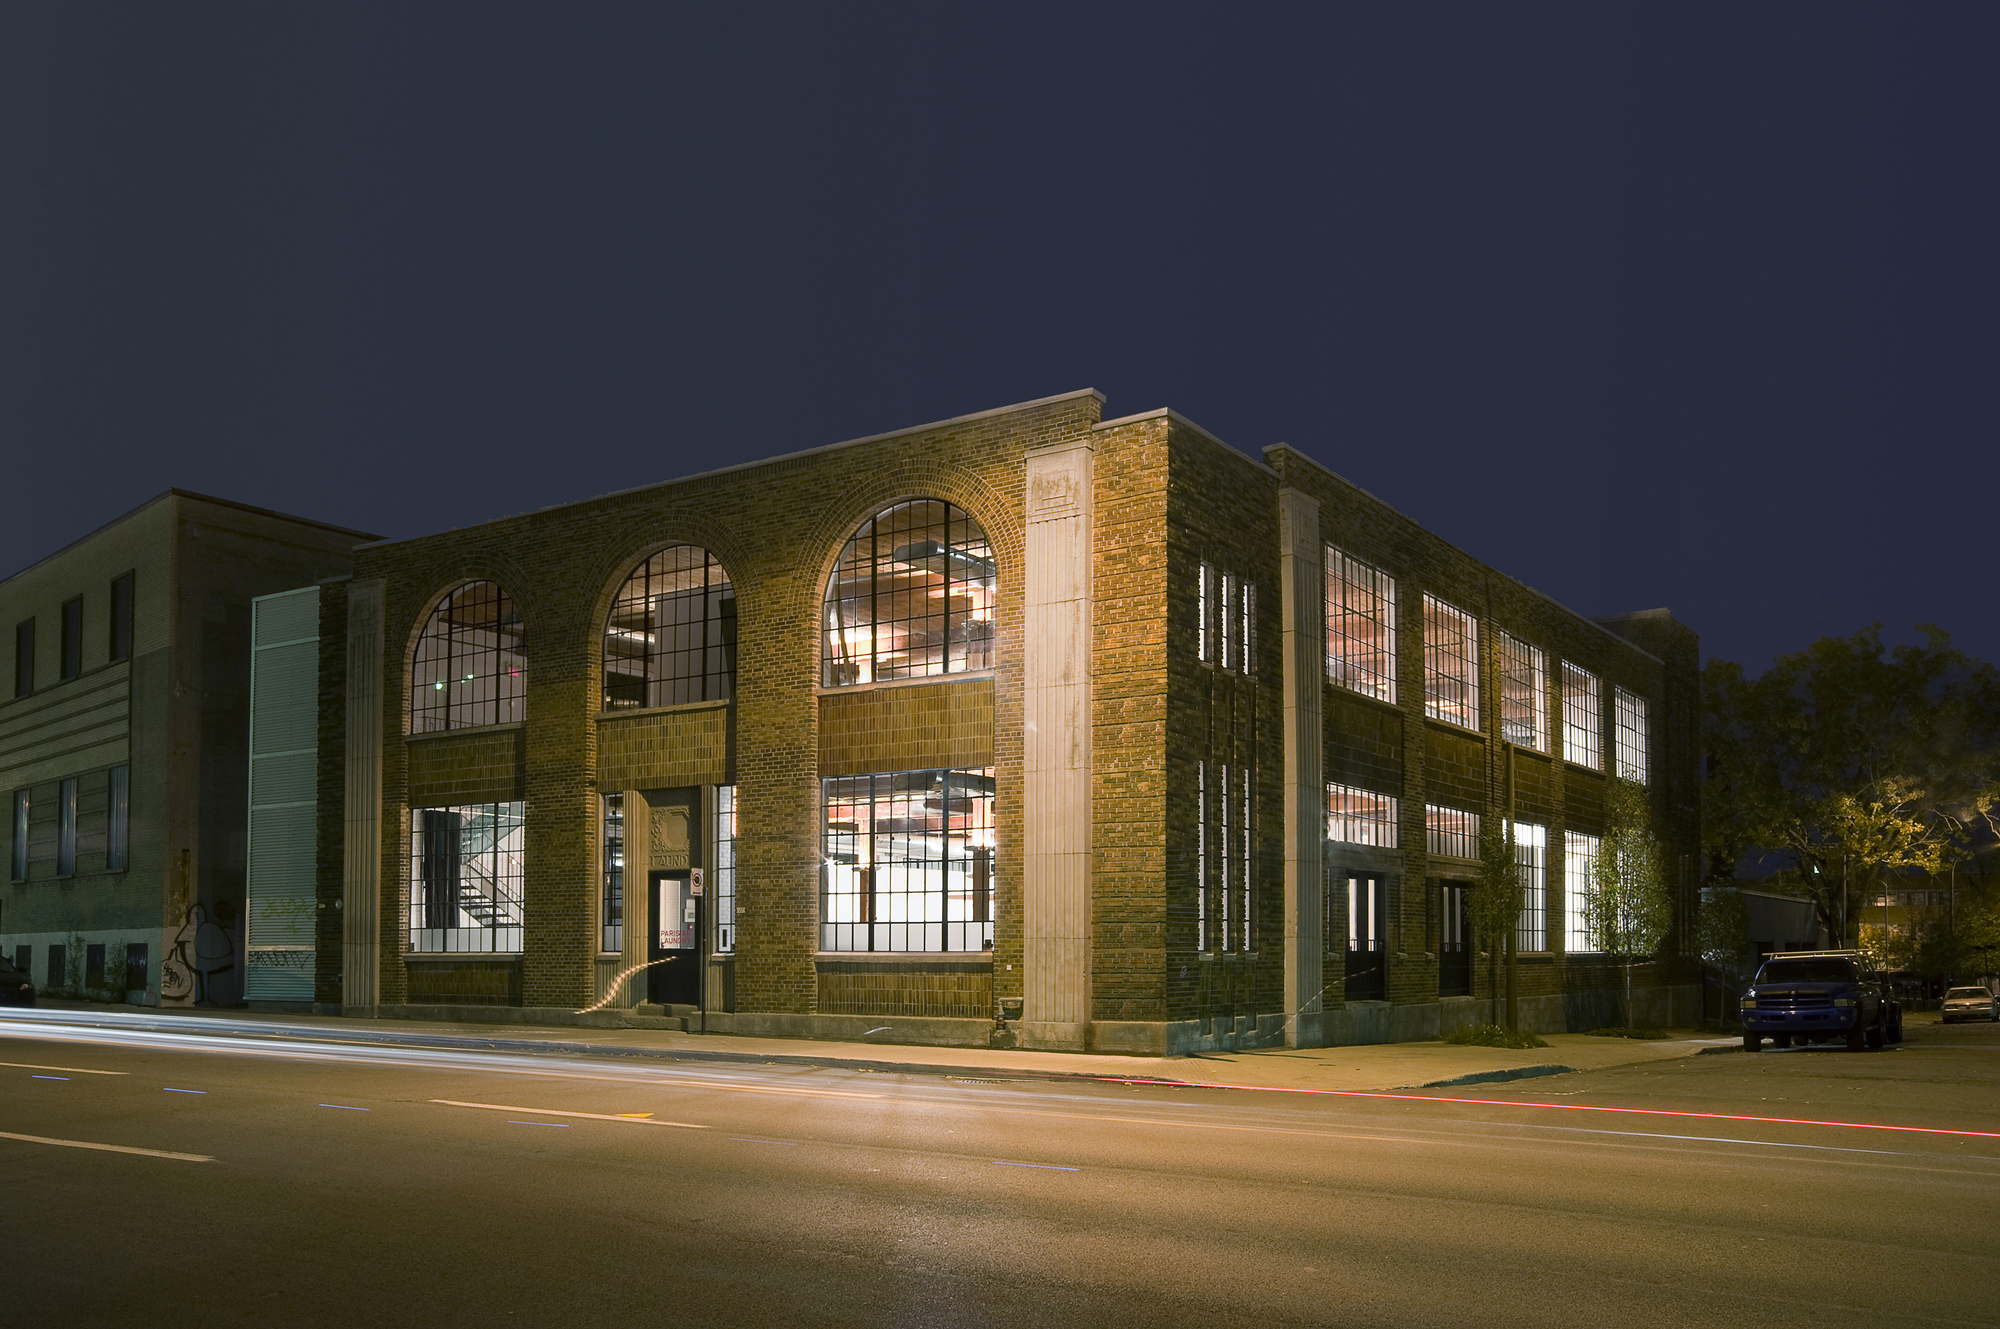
(694, 881)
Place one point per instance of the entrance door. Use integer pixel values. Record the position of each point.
(1454, 955)
(1367, 958)
(676, 940)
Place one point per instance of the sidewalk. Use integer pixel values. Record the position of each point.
(1371, 1067)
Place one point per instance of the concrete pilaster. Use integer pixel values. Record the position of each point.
(361, 898)
(1303, 591)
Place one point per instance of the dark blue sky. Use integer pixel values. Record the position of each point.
(1643, 304)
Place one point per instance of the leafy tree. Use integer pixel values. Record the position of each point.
(1493, 907)
(1630, 908)
(1722, 933)
(1852, 761)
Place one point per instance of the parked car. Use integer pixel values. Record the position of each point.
(1969, 1004)
(1802, 996)
(16, 988)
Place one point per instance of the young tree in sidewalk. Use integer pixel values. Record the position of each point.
(1630, 907)
(1493, 907)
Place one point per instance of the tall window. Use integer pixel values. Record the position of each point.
(465, 877)
(1451, 664)
(1249, 860)
(1356, 816)
(24, 657)
(723, 875)
(1582, 741)
(907, 862)
(1205, 633)
(1531, 853)
(913, 595)
(19, 868)
(672, 633)
(72, 638)
(1227, 635)
(471, 666)
(611, 904)
(66, 828)
(1629, 723)
(121, 618)
(118, 820)
(1360, 626)
(1524, 694)
(1579, 854)
(1200, 853)
(1450, 833)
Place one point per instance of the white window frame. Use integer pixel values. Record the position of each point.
(1531, 854)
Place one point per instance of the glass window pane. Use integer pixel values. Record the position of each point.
(913, 594)
(1451, 664)
(471, 663)
(904, 854)
(671, 637)
(1360, 626)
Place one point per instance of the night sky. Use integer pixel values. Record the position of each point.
(1644, 305)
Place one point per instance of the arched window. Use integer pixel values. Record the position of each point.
(471, 666)
(913, 595)
(672, 633)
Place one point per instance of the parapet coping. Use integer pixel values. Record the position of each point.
(781, 457)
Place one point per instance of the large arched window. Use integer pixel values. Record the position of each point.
(913, 595)
(471, 666)
(671, 637)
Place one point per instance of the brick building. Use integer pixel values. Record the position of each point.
(1098, 724)
(122, 742)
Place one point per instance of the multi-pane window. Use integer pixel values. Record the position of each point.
(1531, 855)
(19, 860)
(1246, 853)
(671, 637)
(1524, 694)
(1248, 637)
(1629, 734)
(722, 876)
(914, 594)
(907, 862)
(1360, 626)
(72, 638)
(66, 828)
(1582, 730)
(121, 618)
(24, 657)
(1228, 605)
(1357, 816)
(465, 877)
(1450, 832)
(1227, 632)
(1204, 648)
(611, 907)
(1451, 664)
(471, 664)
(118, 820)
(1200, 856)
(1579, 856)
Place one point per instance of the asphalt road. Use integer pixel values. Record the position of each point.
(167, 1179)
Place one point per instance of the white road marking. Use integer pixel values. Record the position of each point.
(73, 1070)
(1051, 1167)
(556, 1112)
(107, 1148)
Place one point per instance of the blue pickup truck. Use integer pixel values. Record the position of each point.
(1803, 996)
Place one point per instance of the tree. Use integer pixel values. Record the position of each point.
(1853, 761)
(1722, 932)
(1630, 907)
(1493, 907)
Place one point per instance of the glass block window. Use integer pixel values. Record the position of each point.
(1451, 664)
(1524, 694)
(1629, 735)
(1222, 847)
(1205, 632)
(907, 862)
(1451, 833)
(1582, 723)
(1248, 636)
(671, 637)
(471, 665)
(611, 909)
(1360, 626)
(913, 594)
(722, 877)
(1579, 856)
(1356, 816)
(1226, 657)
(1531, 852)
(1248, 856)
(465, 877)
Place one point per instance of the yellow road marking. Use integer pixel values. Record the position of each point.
(557, 1112)
(73, 1070)
(633, 1114)
(107, 1148)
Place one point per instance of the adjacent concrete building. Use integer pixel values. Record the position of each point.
(122, 744)
(1097, 727)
